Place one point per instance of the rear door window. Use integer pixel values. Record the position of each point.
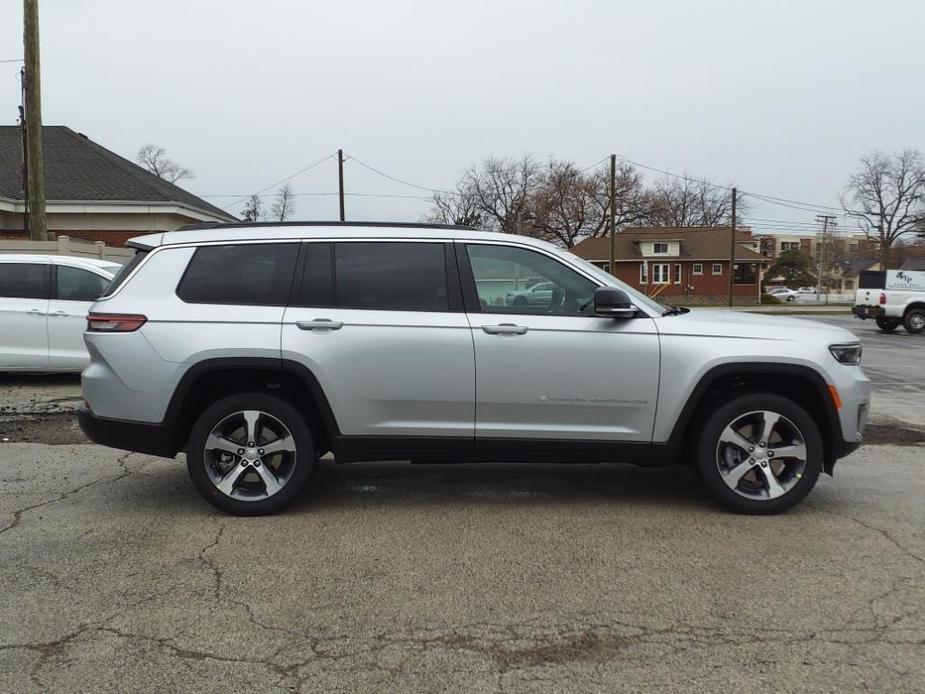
(245, 274)
(395, 276)
(124, 272)
(24, 280)
(74, 284)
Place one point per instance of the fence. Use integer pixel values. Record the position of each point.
(65, 245)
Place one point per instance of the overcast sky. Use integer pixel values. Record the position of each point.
(779, 97)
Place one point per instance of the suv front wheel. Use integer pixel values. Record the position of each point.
(250, 454)
(759, 453)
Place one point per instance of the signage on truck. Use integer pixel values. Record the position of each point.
(905, 279)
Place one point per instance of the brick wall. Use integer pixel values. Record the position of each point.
(705, 285)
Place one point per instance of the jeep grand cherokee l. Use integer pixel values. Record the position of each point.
(257, 348)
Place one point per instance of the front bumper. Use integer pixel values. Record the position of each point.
(865, 312)
(139, 437)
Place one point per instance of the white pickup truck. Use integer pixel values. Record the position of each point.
(892, 298)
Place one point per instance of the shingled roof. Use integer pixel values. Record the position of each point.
(697, 243)
(78, 169)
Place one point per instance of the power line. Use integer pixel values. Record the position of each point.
(350, 157)
(318, 193)
(281, 181)
(13, 60)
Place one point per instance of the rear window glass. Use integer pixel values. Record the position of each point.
(23, 281)
(871, 279)
(247, 274)
(74, 284)
(397, 276)
(124, 272)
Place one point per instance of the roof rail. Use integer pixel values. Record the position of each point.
(413, 225)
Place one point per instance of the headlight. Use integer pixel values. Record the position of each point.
(846, 354)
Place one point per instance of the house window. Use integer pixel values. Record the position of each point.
(677, 274)
(660, 273)
(643, 273)
(744, 273)
(849, 284)
(789, 246)
(698, 268)
(717, 268)
(659, 247)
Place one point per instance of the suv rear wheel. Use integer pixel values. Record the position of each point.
(759, 453)
(888, 324)
(250, 454)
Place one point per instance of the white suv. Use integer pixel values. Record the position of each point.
(257, 348)
(44, 300)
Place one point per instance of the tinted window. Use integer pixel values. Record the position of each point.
(75, 284)
(871, 279)
(317, 286)
(23, 280)
(392, 276)
(517, 280)
(241, 274)
(124, 272)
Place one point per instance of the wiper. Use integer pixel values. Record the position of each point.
(675, 311)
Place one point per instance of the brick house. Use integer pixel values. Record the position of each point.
(690, 263)
(93, 193)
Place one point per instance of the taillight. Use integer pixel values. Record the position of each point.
(882, 298)
(114, 322)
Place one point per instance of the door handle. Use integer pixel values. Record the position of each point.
(58, 313)
(36, 312)
(319, 324)
(505, 329)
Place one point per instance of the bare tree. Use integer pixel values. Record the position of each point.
(154, 159)
(690, 202)
(886, 194)
(632, 203)
(565, 207)
(502, 190)
(284, 205)
(458, 207)
(253, 209)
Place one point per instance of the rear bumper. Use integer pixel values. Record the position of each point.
(151, 439)
(864, 312)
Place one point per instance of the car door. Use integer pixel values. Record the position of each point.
(380, 324)
(24, 290)
(554, 371)
(74, 290)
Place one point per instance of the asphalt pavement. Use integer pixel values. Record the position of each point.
(460, 578)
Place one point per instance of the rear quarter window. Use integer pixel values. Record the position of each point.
(23, 280)
(244, 274)
(123, 273)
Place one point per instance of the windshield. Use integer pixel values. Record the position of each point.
(638, 297)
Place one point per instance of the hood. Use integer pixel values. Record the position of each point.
(752, 325)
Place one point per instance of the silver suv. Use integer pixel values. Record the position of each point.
(258, 348)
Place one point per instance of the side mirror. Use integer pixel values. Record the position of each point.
(613, 303)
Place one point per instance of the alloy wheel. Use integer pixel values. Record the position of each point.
(761, 455)
(249, 455)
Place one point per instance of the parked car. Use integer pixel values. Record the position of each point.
(807, 290)
(257, 348)
(892, 298)
(783, 293)
(540, 294)
(44, 300)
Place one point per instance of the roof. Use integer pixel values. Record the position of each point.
(201, 233)
(107, 266)
(853, 268)
(79, 169)
(697, 243)
(915, 263)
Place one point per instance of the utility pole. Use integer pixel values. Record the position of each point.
(25, 148)
(822, 254)
(732, 244)
(612, 221)
(340, 181)
(33, 120)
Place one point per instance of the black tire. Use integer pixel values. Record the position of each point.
(709, 440)
(302, 462)
(791, 298)
(519, 301)
(914, 320)
(887, 325)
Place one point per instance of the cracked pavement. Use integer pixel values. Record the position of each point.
(470, 578)
(391, 577)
